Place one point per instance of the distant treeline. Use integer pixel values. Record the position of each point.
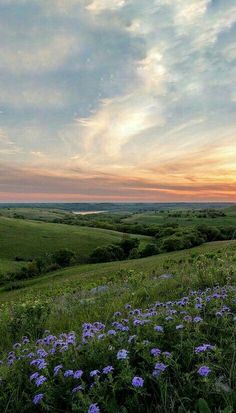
(119, 206)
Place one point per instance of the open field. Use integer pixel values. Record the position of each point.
(63, 301)
(77, 320)
(29, 239)
(85, 277)
(39, 214)
(159, 218)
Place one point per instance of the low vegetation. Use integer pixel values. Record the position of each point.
(147, 324)
(153, 344)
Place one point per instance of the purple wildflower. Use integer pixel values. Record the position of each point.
(204, 371)
(93, 408)
(76, 389)
(68, 373)
(108, 369)
(166, 354)
(203, 348)
(34, 376)
(159, 368)
(94, 373)
(197, 319)
(122, 354)
(137, 381)
(40, 380)
(78, 374)
(111, 332)
(155, 352)
(38, 398)
(159, 329)
(179, 327)
(57, 369)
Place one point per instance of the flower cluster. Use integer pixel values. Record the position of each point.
(139, 347)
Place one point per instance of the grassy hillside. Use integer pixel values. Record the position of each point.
(40, 214)
(161, 218)
(85, 277)
(177, 335)
(29, 239)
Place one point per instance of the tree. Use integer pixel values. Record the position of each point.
(172, 243)
(128, 244)
(150, 249)
(63, 257)
(107, 254)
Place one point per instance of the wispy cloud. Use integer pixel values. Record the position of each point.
(118, 99)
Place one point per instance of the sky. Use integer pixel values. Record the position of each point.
(117, 100)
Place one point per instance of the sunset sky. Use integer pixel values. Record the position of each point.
(118, 100)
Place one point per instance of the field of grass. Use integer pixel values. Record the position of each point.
(84, 277)
(116, 337)
(63, 301)
(38, 214)
(159, 218)
(29, 239)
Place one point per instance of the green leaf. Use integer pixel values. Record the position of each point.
(203, 406)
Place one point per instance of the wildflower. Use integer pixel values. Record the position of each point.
(40, 380)
(34, 376)
(40, 363)
(188, 318)
(108, 369)
(155, 352)
(127, 306)
(25, 340)
(68, 373)
(159, 368)
(197, 319)
(159, 329)
(42, 353)
(203, 348)
(131, 338)
(38, 398)
(219, 314)
(94, 373)
(137, 381)
(76, 389)
(111, 332)
(93, 408)
(179, 327)
(122, 354)
(78, 374)
(166, 354)
(117, 314)
(204, 371)
(57, 369)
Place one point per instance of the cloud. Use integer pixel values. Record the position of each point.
(41, 54)
(117, 122)
(98, 6)
(137, 95)
(29, 95)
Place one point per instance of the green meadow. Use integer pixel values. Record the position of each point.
(27, 240)
(120, 305)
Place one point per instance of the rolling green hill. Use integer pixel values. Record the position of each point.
(84, 277)
(150, 218)
(29, 239)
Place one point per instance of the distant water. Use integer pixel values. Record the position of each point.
(87, 212)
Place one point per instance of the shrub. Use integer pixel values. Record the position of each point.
(150, 249)
(172, 243)
(128, 244)
(107, 254)
(63, 257)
